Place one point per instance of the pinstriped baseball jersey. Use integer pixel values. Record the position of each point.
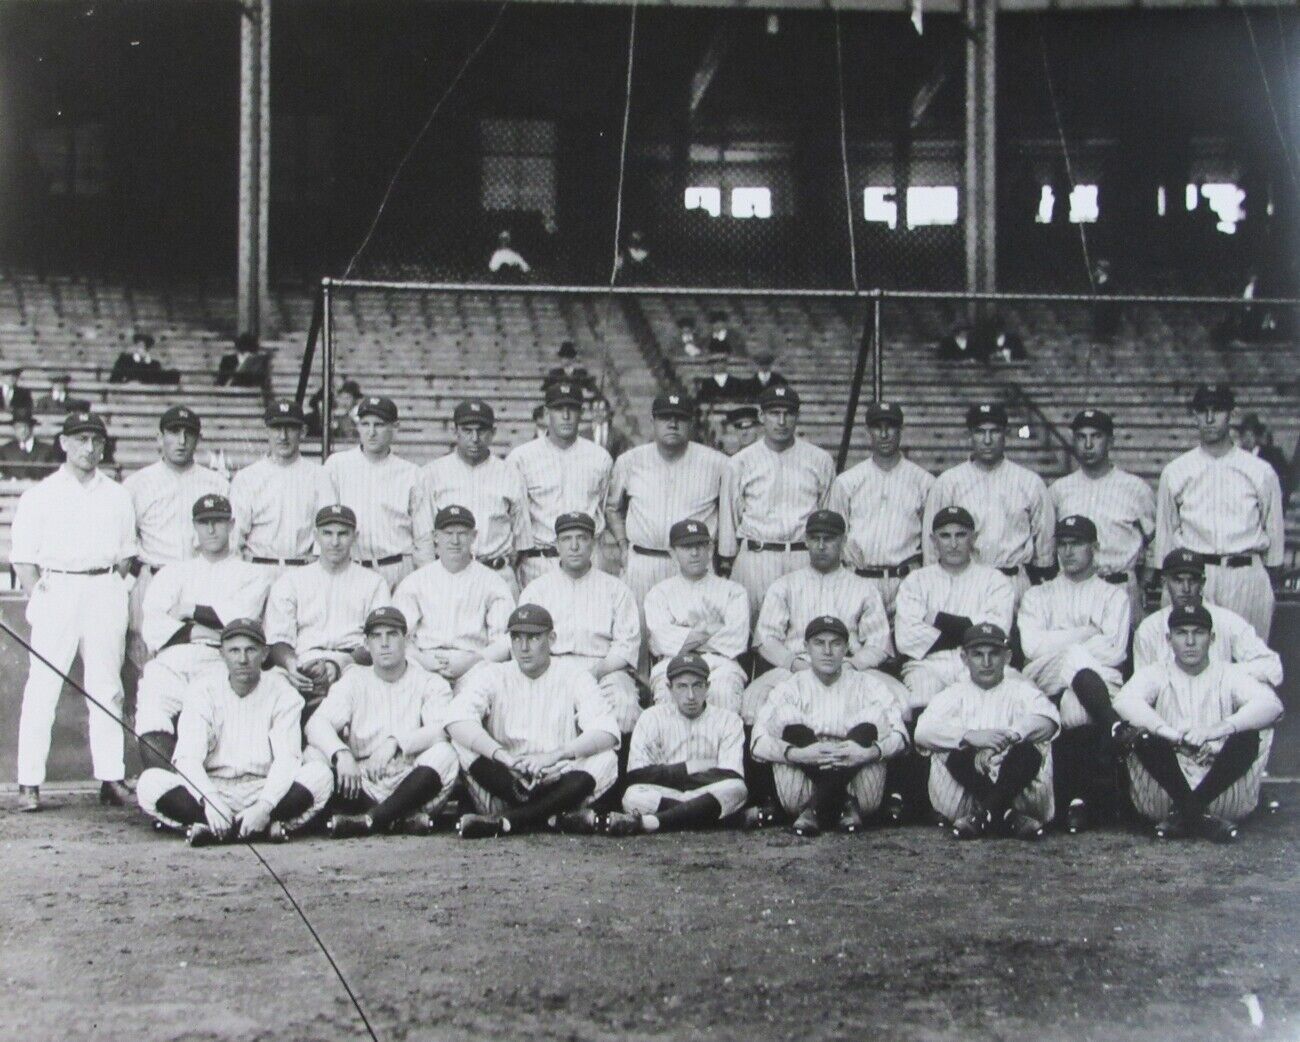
(658, 494)
(312, 609)
(275, 507)
(798, 597)
(884, 509)
(664, 736)
(163, 498)
(1013, 513)
(595, 615)
(676, 606)
(393, 515)
(455, 611)
(1233, 640)
(231, 587)
(1120, 504)
(223, 735)
(533, 716)
(768, 495)
(1229, 505)
(831, 710)
(967, 707)
(369, 709)
(978, 592)
(1092, 614)
(560, 481)
(493, 491)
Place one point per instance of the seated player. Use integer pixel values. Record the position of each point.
(1206, 730)
(1074, 630)
(937, 604)
(315, 614)
(1232, 639)
(990, 739)
(599, 625)
(380, 729)
(239, 772)
(185, 608)
(535, 737)
(828, 731)
(457, 607)
(686, 767)
(698, 612)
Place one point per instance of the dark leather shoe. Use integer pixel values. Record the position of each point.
(478, 826)
(29, 799)
(1077, 818)
(972, 826)
(346, 826)
(115, 794)
(1216, 829)
(584, 822)
(806, 824)
(850, 817)
(619, 824)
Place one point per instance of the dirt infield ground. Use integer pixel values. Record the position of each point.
(112, 932)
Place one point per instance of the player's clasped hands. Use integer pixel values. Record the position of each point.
(995, 739)
(220, 818)
(348, 774)
(255, 820)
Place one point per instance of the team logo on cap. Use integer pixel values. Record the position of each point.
(674, 400)
(209, 502)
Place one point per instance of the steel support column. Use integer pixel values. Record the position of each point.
(254, 164)
(980, 195)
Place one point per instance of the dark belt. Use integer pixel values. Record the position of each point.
(540, 551)
(383, 561)
(293, 562)
(88, 571)
(754, 544)
(1011, 570)
(885, 571)
(1116, 578)
(646, 551)
(138, 566)
(1228, 560)
(495, 563)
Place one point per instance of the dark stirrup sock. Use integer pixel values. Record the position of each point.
(297, 802)
(566, 793)
(1019, 768)
(420, 786)
(1092, 694)
(179, 804)
(1234, 761)
(693, 814)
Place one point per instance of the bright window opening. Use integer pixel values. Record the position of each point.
(707, 199)
(1225, 199)
(1083, 204)
(878, 206)
(1162, 202)
(1046, 206)
(931, 204)
(751, 202)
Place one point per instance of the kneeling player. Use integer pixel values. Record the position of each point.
(239, 768)
(396, 767)
(1206, 733)
(828, 732)
(686, 766)
(990, 737)
(535, 735)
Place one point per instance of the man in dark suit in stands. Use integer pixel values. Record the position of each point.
(12, 397)
(57, 401)
(1255, 438)
(245, 366)
(722, 388)
(764, 376)
(723, 340)
(138, 366)
(568, 371)
(25, 458)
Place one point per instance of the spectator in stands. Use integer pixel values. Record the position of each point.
(345, 410)
(506, 263)
(539, 421)
(57, 401)
(721, 388)
(1105, 314)
(604, 432)
(741, 429)
(723, 340)
(991, 339)
(764, 375)
(634, 266)
(138, 366)
(568, 371)
(1255, 438)
(26, 458)
(686, 330)
(245, 366)
(956, 345)
(12, 397)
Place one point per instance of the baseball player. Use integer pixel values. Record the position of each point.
(1232, 639)
(938, 603)
(1206, 731)
(493, 491)
(185, 609)
(989, 738)
(883, 500)
(828, 731)
(699, 612)
(162, 494)
(239, 771)
(1013, 512)
(277, 497)
(599, 625)
(823, 587)
(394, 522)
(1075, 631)
(381, 730)
(71, 543)
(656, 485)
(1120, 504)
(315, 615)
(535, 737)
(456, 607)
(770, 489)
(562, 474)
(1226, 505)
(686, 765)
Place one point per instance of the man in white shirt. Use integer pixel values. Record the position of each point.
(72, 541)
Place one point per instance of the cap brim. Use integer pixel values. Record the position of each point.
(242, 632)
(285, 421)
(213, 515)
(528, 627)
(985, 644)
(556, 403)
(689, 671)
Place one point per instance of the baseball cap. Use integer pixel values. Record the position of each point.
(1191, 615)
(285, 413)
(885, 412)
(575, 519)
(764, 358)
(825, 624)
(377, 406)
(986, 412)
(780, 396)
(825, 522)
(1214, 396)
(386, 616)
(180, 417)
(82, 423)
(1094, 419)
(530, 618)
(1182, 562)
(688, 662)
(1077, 529)
(473, 412)
(562, 392)
(336, 513)
(952, 516)
(212, 508)
(243, 628)
(984, 634)
(688, 533)
(667, 405)
(453, 515)
(743, 416)
(567, 350)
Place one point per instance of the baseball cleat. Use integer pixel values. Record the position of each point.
(759, 817)
(29, 799)
(417, 824)
(972, 826)
(1173, 827)
(276, 833)
(201, 836)
(619, 824)
(850, 817)
(895, 808)
(478, 826)
(584, 822)
(1022, 826)
(1076, 817)
(806, 824)
(346, 826)
(114, 794)
(1216, 829)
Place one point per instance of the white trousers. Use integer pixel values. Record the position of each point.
(1054, 673)
(1247, 591)
(1235, 803)
(756, 570)
(641, 572)
(647, 799)
(164, 680)
(440, 756)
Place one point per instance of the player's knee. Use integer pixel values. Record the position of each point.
(317, 779)
(441, 757)
(863, 734)
(731, 795)
(153, 783)
(640, 799)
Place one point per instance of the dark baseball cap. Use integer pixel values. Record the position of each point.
(561, 393)
(780, 396)
(1093, 419)
(825, 624)
(1182, 562)
(336, 513)
(180, 417)
(885, 412)
(474, 412)
(1214, 396)
(285, 413)
(530, 618)
(1191, 615)
(212, 508)
(952, 516)
(243, 628)
(84, 423)
(668, 405)
(382, 408)
(386, 616)
(688, 533)
(688, 662)
(985, 413)
(575, 519)
(453, 515)
(743, 416)
(984, 634)
(825, 522)
(1076, 529)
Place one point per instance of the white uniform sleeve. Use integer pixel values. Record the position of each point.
(1042, 523)
(626, 635)
(160, 597)
(333, 715)
(1250, 653)
(1147, 641)
(282, 613)
(1166, 517)
(872, 631)
(940, 728)
(1255, 705)
(999, 605)
(1272, 519)
(729, 508)
(912, 630)
(732, 640)
(643, 750)
(666, 637)
(777, 713)
(773, 623)
(1136, 700)
(1110, 646)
